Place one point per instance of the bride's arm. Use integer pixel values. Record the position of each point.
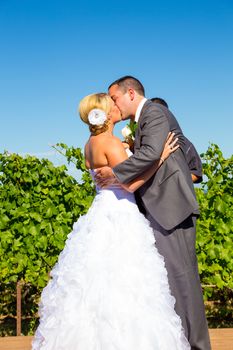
(117, 154)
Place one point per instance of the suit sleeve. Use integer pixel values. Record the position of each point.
(194, 162)
(153, 132)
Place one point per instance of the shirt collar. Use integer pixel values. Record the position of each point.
(139, 109)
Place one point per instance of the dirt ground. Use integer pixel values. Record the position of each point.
(221, 339)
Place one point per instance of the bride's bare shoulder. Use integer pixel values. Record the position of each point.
(116, 141)
(104, 141)
(115, 152)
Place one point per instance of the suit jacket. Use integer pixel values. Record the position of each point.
(193, 159)
(168, 196)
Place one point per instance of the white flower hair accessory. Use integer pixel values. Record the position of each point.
(97, 116)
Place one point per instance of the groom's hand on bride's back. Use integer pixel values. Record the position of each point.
(104, 176)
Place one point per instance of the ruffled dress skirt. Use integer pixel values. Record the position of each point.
(109, 289)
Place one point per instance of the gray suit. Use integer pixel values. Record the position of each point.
(168, 201)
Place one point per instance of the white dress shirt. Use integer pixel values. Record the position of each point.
(139, 109)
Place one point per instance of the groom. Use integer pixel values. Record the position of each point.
(168, 199)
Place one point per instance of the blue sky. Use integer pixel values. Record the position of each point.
(54, 52)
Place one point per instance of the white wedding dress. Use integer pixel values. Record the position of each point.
(109, 288)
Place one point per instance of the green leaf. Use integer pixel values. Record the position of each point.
(36, 216)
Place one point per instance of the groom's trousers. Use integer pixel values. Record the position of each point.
(178, 249)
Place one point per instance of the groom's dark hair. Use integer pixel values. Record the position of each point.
(127, 82)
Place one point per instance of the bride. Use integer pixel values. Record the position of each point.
(109, 289)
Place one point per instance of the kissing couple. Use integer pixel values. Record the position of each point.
(128, 278)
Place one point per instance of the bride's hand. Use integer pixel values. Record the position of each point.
(170, 146)
(125, 144)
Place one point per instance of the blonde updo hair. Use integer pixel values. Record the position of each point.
(101, 101)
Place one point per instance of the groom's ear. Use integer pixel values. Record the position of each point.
(131, 93)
